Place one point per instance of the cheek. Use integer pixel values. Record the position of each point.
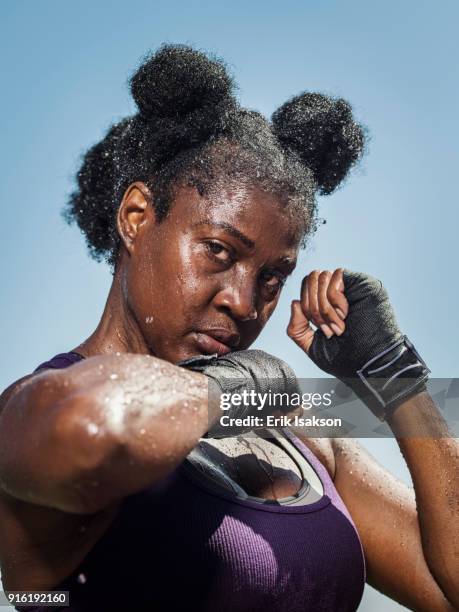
(262, 320)
(254, 329)
(193, 283)
(145, 298)
(146, 286)
(167, 291)
(267, 311)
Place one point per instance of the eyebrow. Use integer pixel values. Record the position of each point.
(231, 230)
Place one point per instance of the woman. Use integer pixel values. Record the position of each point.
(110, 491)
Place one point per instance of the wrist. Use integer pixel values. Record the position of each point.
(390, 378)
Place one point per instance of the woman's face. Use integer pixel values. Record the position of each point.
(208, 277)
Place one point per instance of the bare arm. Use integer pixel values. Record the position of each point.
(410, 538)
(433, 460)
(80, 438)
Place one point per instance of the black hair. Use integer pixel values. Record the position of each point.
(190, 129)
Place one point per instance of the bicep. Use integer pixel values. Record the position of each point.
(384, 512)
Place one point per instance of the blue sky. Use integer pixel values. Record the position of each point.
(65, 67)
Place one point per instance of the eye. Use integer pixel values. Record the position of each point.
(218, 252)
(273, 281)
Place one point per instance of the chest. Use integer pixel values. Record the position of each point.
(264, 468)
(225, 554)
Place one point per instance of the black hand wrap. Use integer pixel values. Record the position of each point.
(249, 370)
(372, 356)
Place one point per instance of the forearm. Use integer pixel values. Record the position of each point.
(432, 457)
(100, 430)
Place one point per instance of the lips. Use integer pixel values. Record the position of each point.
(218, 341)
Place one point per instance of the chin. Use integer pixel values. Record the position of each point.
(181, 353)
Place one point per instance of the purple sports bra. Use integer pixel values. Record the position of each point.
(181, 545)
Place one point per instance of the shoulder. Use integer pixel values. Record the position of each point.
(13, 388)
(58, 362)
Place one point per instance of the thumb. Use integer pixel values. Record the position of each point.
(298, 328)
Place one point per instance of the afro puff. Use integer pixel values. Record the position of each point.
(190, 129)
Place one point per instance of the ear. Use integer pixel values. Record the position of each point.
(134, 213)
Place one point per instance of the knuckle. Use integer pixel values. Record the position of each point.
(333, 296)
(315, 313)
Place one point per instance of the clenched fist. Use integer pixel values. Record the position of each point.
(357, 338)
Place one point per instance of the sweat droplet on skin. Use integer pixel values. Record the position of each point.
(92, 429)
(149, 320)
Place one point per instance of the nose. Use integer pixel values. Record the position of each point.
(239, 300)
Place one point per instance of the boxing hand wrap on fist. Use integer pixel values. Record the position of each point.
(248, 370)
(372, 356)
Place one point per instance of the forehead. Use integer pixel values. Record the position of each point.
(257, 214)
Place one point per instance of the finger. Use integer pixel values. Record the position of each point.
(309, 308)
(304, 300)
(313, 313)
(299, 329)
(327, 311)
(335, 293)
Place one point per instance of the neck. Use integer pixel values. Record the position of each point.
(117, 331)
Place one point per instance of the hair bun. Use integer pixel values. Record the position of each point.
(177, 80)
(323, 132)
